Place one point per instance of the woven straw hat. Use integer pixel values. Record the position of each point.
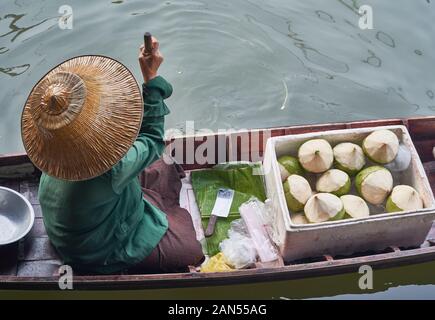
(81, 117)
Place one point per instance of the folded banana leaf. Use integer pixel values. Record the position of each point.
(244, 178)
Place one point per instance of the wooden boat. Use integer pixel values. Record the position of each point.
(33, 264)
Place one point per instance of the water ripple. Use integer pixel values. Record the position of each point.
(15, 71)
(385, 39)
(236, 64)
(325, 16)
(373, 60)
(14, 29)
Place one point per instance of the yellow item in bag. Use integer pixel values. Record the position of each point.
(217, 263)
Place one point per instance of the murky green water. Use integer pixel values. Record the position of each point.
(240, 64)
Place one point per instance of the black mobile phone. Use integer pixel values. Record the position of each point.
(148, 43)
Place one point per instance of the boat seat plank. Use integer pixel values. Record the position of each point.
(9, 259)
(11, 184)
(38, 229)
(45, 268)
(38, 210)
(30, 190)
(36, 249)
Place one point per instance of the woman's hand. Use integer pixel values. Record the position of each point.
(150, 63)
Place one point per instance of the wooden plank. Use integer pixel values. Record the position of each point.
(315, 128)
(198, 152)
(422, 128)
(18, 171)
(38, 268)
(38, 248)
(375, 123)
(38, 210)
(248, 146)
(13, 159)
(9, 259)
(29, 189)
(424, 149)
(38, 229)
(277, 132)
(11, 184)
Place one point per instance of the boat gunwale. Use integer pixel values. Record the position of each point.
(22, 157)
(196, 279)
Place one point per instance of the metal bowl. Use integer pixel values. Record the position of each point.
(16, 216)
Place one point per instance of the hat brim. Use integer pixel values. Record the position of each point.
(103, 131)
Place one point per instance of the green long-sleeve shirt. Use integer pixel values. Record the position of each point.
(104, 224)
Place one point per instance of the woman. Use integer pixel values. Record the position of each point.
(79, 126)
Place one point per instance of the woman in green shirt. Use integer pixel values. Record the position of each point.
(108, 223)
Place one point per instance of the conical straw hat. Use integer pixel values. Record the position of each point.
(81, 117)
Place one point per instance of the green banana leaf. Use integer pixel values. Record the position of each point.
(243, 178)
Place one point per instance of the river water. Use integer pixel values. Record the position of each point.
(236, 63)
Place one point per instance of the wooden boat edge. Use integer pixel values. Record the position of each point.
(178, 280)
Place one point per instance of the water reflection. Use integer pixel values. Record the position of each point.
(373, 60)
(15, 71)
(324, 16)
(16, 29)
(351, 4)
(291, 61)
(314, 56)
(385, 39)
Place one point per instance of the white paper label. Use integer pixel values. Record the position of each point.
(223, 203)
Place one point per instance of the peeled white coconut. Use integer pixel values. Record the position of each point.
(322, 207)
(289, 165)
(381, 146)
(316, 155)
(374, 184)
(334, 181)
(354, 206)
(297, 191)
(349, 157)
(299, 218)
(404, 198)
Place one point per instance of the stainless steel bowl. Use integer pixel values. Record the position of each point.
(16, 216)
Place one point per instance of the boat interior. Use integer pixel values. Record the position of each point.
(34, 257)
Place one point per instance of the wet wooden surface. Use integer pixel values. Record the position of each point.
(34, 255)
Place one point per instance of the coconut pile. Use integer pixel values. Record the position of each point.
(335, 168)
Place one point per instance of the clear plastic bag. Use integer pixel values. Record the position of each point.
(238, 226)
(238, 249)
(256, 217)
